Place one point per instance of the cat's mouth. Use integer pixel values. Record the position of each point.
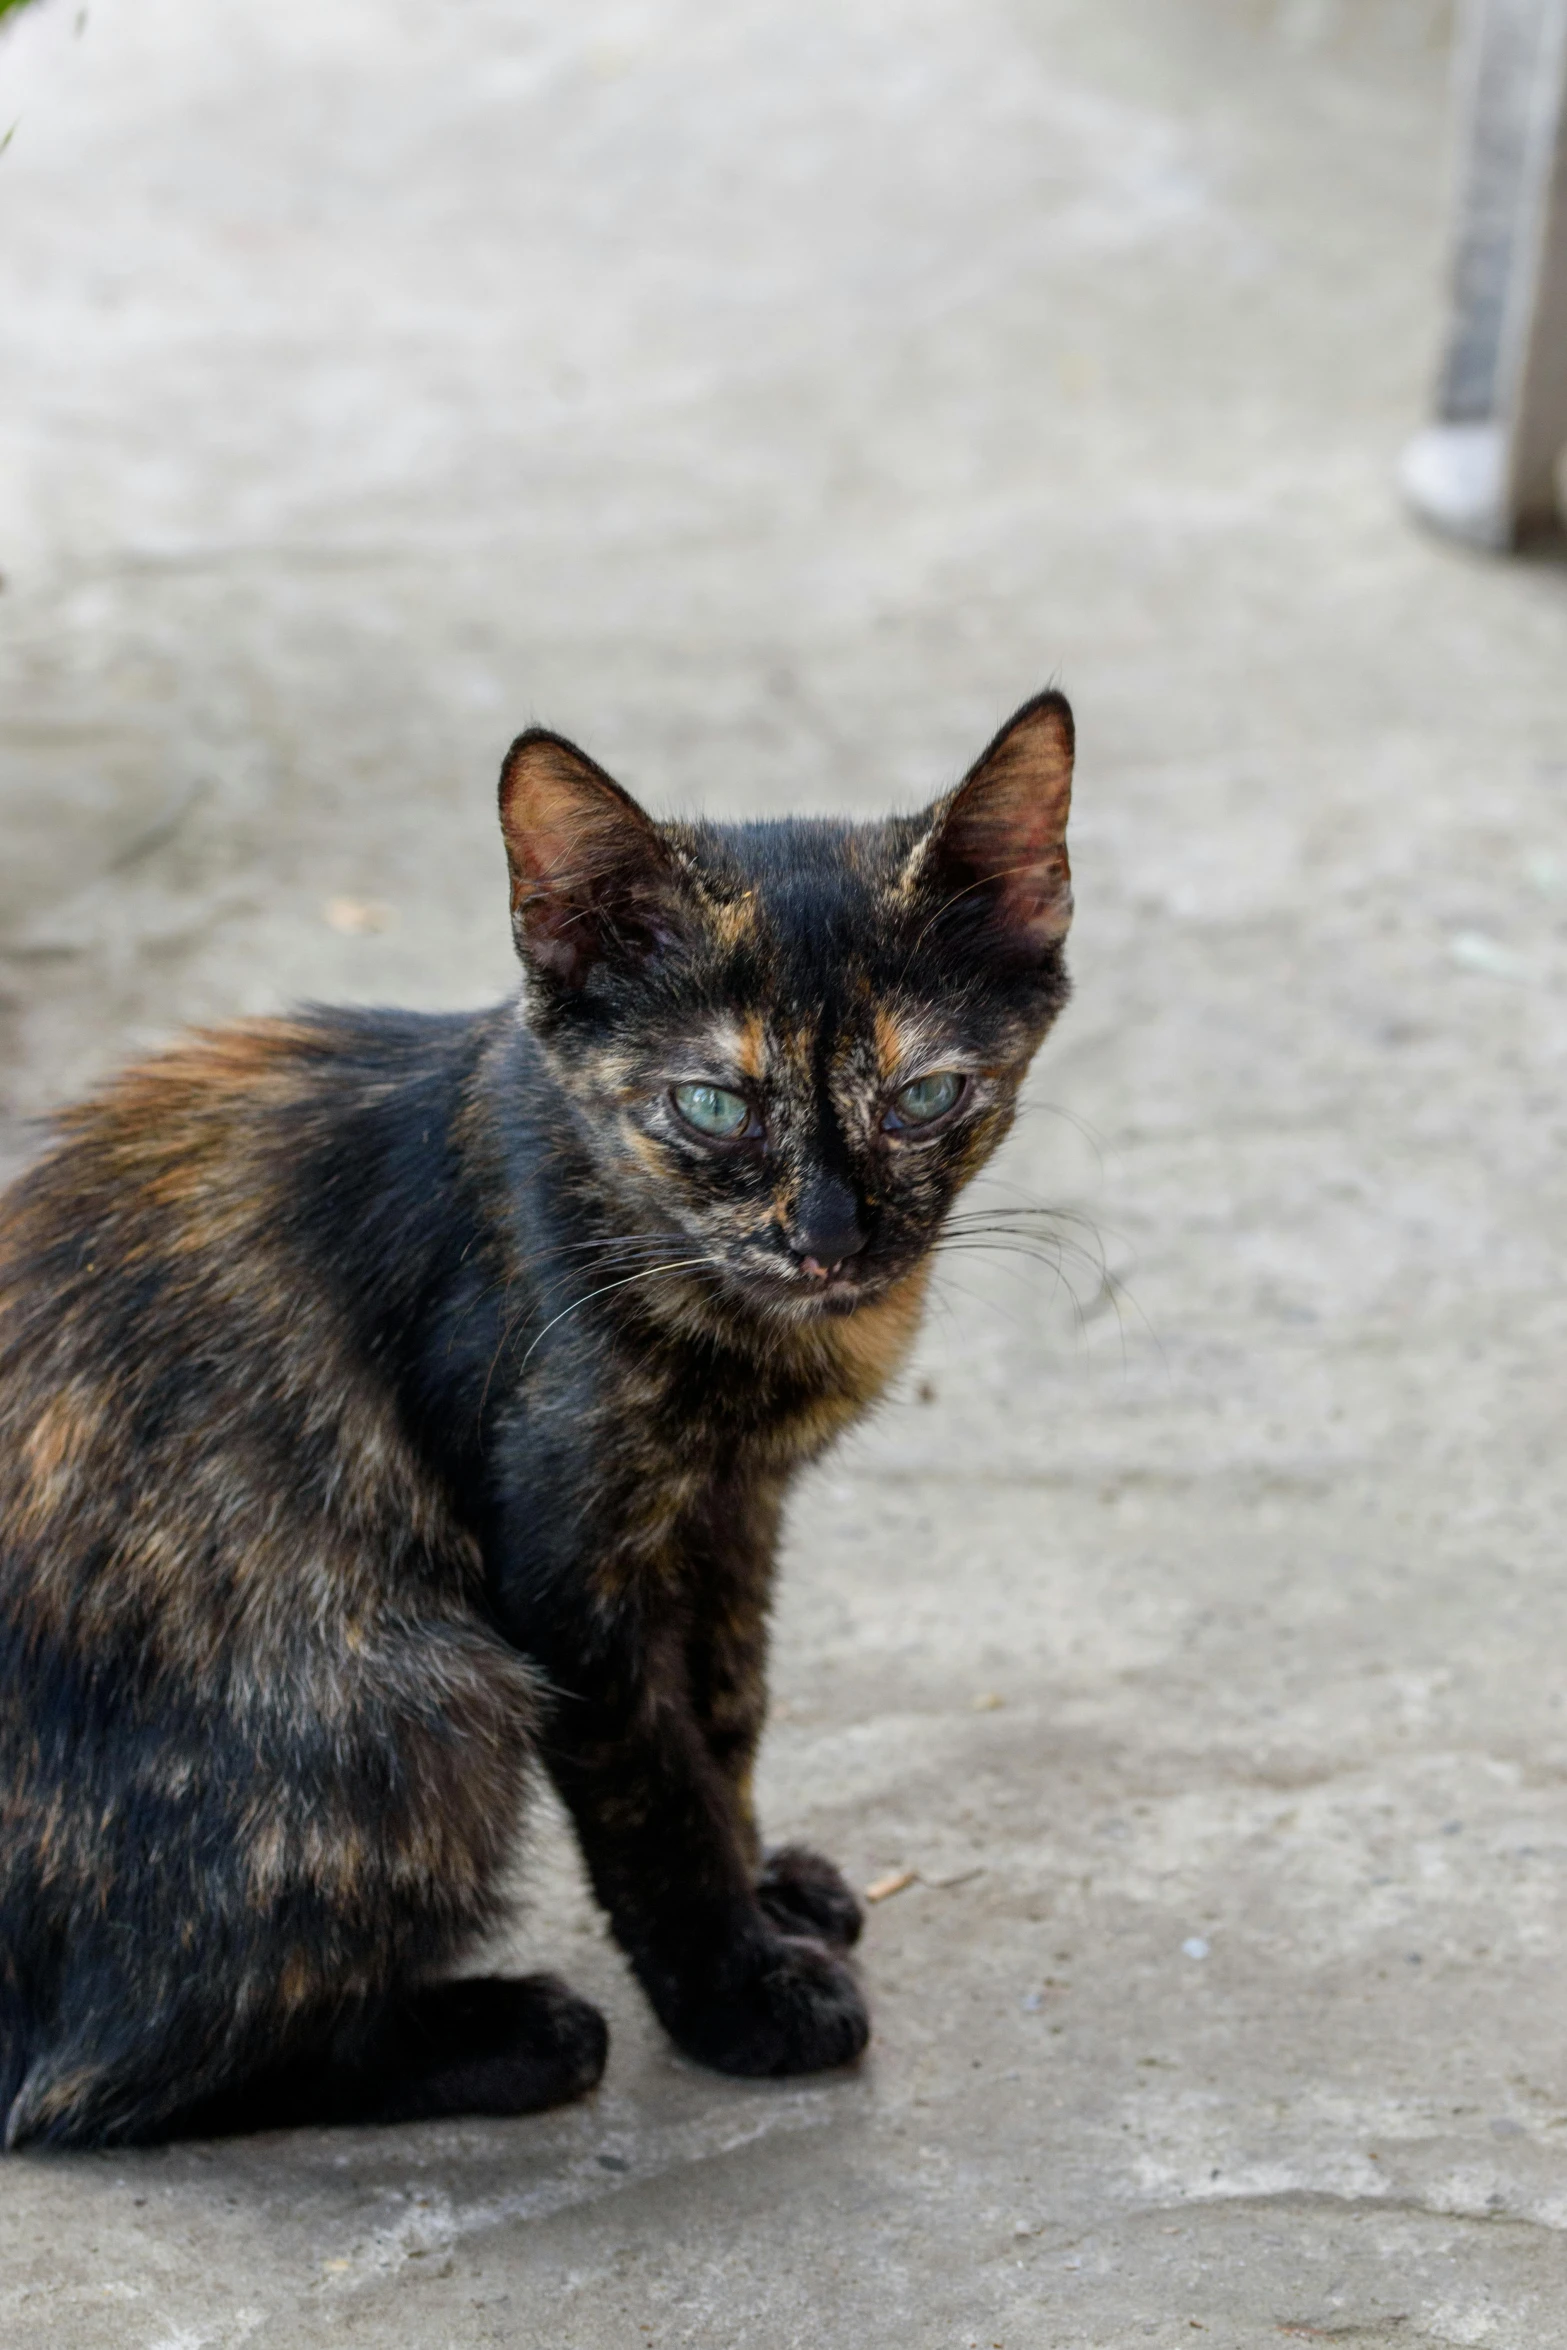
(799, 1296)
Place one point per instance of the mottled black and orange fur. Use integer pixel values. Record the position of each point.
(391, 1405)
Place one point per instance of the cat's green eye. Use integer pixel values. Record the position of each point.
(713, 1110)
(926, 1099)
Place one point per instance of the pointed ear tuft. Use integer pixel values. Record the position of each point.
(592, 878)
(994, 856)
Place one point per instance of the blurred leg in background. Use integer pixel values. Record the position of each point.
(1487, 469)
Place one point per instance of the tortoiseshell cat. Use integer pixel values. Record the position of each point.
(390, 1402)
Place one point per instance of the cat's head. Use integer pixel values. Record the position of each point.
(791, 1043)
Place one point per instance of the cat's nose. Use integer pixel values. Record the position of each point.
(827, 1229)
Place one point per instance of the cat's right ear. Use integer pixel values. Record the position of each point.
(592, 879)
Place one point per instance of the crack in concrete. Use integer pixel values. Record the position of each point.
(1323, 2198)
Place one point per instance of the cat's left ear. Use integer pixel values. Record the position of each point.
(592, 879)
(994, 855)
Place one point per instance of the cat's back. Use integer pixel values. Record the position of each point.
(203, 1470)
(257, 1742)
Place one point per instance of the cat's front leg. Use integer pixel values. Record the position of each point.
(659, 1827)
(801, 1891)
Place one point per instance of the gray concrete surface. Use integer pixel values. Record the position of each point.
(773, 395)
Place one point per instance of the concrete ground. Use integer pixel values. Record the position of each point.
(773, 395)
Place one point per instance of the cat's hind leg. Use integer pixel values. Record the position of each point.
(489, 2045)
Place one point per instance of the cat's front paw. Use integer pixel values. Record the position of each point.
(803, 1893)
(786, 2005)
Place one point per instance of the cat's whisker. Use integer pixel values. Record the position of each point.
(1038, 1233)
(1059, 1254)
(525, 1264)
(561, 1248)
(603, 1259)
(616, 1244)
(1033, 1215)
(676, 1265)
(1060, 1247)
(1110, 1289)
(1027, 1203)
(618, 1249)
(1106, 1288)
(1038, 1256)
(1068, 1219)
(624, 1246)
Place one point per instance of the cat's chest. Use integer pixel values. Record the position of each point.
(623, 1458)
(668, 1420)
